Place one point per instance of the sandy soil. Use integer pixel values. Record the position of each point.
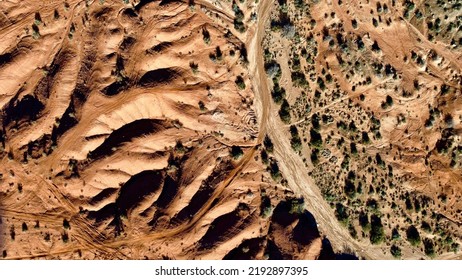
(136, 130)
(292, 166)
(347, 98)
(126, 136)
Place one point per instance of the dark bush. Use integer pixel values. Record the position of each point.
(413, 236)
(236, 152)
(275, 172)
(341, 213)
(429, 247)
(377, 235)
(278, 93)
(350, 189)
(240, 82)
(299, 79)
(284, 112)
(315, 138)
(268, 144)
(364, 221)
(395, 251)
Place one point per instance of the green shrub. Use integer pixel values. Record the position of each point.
(314, 156)
(236, 152)
(388, 102)
(352, 231)
(38, 18)
(273, 70)
(264, 157)
(202, 106)
(66, 224)
(350, 189)
(377, 234)
(364, 221)
(265, 206)
(194, 67)
(429, 247)
(218, 53)
(342, 214)
(426, 227)
(268, 144)
(274, 171)
(395, 234)
(395, 251)
(365, 138)
(315, 122)
(65, 237)
(284, 112)
(315, 138)
(206, 35)
(240, 82)
(297, 206)
(413, 236)
(238, 18)
(295, 140)
(299, 79)
(278, 93)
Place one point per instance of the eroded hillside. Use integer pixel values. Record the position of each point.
(129, 131)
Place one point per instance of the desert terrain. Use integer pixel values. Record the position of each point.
(237, 129)
(369, 94)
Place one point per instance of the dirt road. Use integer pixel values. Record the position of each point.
(291, 164)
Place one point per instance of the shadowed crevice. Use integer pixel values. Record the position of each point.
(126, 134)
(159, 76)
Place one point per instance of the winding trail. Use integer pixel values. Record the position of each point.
(291, 165)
